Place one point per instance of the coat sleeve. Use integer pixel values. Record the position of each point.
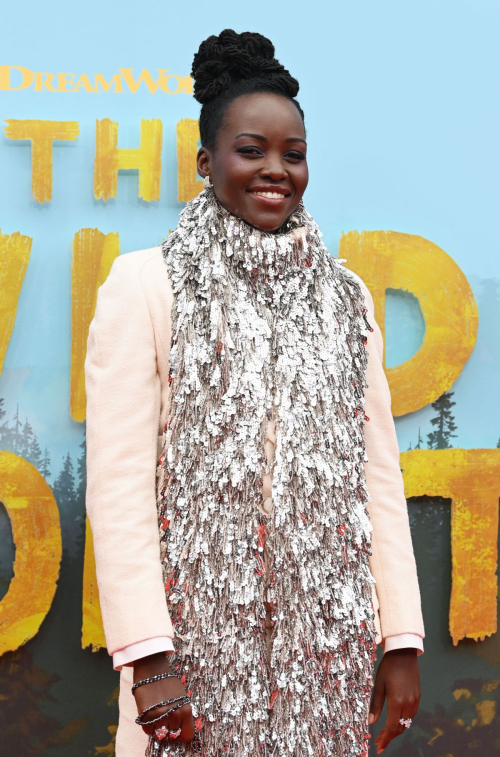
(123, 412)
(392, 562)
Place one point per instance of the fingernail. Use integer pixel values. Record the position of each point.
(371, 717)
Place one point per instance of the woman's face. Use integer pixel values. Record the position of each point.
(258, 167)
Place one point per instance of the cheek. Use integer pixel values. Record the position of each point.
(301, 178)
(235, 173)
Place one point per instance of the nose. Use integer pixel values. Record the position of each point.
(274, 168)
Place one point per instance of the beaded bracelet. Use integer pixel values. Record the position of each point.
(181, 702)
(153, 678)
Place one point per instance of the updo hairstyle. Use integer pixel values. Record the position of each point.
(231, 65)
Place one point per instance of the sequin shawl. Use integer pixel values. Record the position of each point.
(266, 326)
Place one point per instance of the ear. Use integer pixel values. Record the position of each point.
(204, 162)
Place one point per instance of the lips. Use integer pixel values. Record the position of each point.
(270, 195)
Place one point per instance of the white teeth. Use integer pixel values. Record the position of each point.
(274, 195)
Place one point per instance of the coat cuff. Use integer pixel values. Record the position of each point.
(128, 654)
(401, 640)
(131, 652)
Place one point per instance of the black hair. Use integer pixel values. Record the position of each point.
(230, 65)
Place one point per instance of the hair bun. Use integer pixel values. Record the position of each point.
(230, 57)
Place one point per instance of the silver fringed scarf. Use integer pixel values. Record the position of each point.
(266, 326)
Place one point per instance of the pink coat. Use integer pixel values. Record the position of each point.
(128, 395)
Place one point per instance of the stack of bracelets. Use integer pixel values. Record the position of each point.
(163, 732)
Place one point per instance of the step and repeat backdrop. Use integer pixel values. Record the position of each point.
(97, 157)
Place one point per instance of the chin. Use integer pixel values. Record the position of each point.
(267, 224)
(267, 227)
(265, 221)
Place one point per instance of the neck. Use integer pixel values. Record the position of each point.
(209, 230)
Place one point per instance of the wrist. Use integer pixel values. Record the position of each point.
(152, 664)
(402, 651)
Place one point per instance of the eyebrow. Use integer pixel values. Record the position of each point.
(264, 139)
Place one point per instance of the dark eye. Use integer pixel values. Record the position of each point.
(295, 155)
(248, 150)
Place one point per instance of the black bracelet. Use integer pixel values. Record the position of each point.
(153, 678)
(181, 702)
(161, 704)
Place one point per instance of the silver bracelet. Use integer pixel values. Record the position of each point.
(181, 702)
(153, 678)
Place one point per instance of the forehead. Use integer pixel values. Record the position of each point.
(272, 116)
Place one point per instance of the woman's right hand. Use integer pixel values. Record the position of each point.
(157, 691)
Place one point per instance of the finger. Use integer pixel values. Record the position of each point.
(377, 740)
(166, 721)
(187, 723)
(181, 719)
(175, 720)
(152, 715)
(392, 726)
(413, 706)
(377, 702)
(408, 713)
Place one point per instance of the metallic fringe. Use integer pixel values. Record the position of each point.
(266, 326)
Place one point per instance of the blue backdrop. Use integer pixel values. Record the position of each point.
(402, 116)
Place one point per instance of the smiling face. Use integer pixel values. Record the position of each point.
(258, 167)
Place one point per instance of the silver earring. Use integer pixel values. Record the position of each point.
(206, 182)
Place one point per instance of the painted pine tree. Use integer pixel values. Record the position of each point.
(418, 445)
(64, 485)
(45, 466)
(4, 429)
(65, 493)
(444, 423)
(16, 433)
(420, 440)
(82, 468)
(25, 440)
(11, 437)
(29, 446)
(35, 454)
(81, 491)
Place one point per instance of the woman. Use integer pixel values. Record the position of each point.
(244, 349)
